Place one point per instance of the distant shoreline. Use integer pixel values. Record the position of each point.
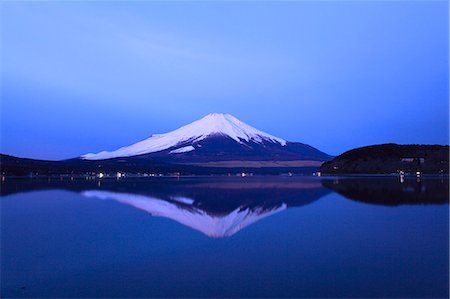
(334, 176)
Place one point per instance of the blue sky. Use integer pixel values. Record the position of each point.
(79, 77)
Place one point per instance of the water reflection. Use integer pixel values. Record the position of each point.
(392, 191)
(95, 240)
(220, 207)
(184, 211)
(217, 207)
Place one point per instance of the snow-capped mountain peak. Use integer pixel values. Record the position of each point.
(212, 124)
(227, 124)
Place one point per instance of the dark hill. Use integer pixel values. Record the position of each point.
(390, 158)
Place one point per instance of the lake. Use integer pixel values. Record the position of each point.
(225, 237)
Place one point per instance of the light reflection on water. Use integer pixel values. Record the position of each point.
(303, 237)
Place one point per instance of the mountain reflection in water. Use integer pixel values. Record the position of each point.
(217, 207)
(184, 211)
(222, 206)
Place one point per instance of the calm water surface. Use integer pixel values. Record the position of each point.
(225, 237)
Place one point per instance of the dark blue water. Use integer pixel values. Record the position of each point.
(225, 237)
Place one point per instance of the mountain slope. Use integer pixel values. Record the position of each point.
(214, 124)
(216, 137)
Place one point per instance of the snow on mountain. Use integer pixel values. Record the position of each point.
(211, 124)
(188, 214)
(183, 149)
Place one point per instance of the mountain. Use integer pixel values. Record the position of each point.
(218, 140)
(182, 139)
(391, 158)
(216, 144)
